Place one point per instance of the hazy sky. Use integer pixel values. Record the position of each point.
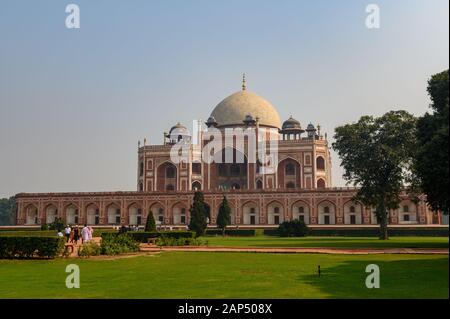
(73, 103)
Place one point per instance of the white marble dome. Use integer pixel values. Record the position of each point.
(233, 110)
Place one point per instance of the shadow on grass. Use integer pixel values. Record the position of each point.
(411, 279)
(329, 242)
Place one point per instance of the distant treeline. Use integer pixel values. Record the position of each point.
(7, 209)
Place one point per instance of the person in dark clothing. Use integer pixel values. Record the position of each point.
(76, 234)
(123, 230)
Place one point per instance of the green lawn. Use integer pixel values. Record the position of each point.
(336, 242)
(229, 275)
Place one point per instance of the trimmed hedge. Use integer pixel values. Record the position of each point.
(14, 228)
(164, 241)
(113, 244)
(370, 232)
(231, 232)
(29, 247)
(293, 228)
(98, 232)
(24, 233)
(143, 237)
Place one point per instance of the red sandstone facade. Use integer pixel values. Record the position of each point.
(299, 188)
(268, 207)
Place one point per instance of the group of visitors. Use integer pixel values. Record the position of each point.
(124, 229)
(168, 228)
(74, 234)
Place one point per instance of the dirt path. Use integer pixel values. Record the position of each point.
(148, 248)
(289, 250)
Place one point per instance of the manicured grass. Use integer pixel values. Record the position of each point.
(336, 242)
(229, 275)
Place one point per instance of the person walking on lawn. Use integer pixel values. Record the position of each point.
(67, 232)
(85, 234)
(76, 234)
(71, 236)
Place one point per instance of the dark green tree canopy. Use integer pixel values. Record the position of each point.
(377, 156)
(7, 211)
(198, 222)
(432, 162)
(224, 215)
(150, 225)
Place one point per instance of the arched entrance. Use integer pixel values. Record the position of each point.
(289, 174)
(179, 214)
(31, 213)
(72, 214)
(113, 214)
(250, 212)
(51, 212)
(134, 215)
(275, 213)
(327, 213)
(231, 173)
(352, 213)
(196, 186)
(158, 213)
(166, 177)
(300, 211)
(93, 215)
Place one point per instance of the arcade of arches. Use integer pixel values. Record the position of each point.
(255, 208)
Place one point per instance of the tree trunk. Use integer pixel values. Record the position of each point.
(383, 216)
(384, 227)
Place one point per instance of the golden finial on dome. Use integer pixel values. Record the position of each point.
(244, 83)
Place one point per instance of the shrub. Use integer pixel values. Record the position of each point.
(57, 224)
(198, 222)
(143, 237)
(293, 228)
(15, 228)
(98, 232)
(150, 225)
(167, 241)
(90, 248)
(22, 233)
(113, 244)
(224, 216)
(44, 226)
(30, 247)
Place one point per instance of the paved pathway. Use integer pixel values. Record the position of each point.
(77, 246)
(299, 250)
(287, 250)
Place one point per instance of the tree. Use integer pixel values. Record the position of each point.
(7, 211)
(293, 228)
(431, 161)
(57, 224)
(198, 222)
(377, 155)
(150, 224)
(224, 215)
